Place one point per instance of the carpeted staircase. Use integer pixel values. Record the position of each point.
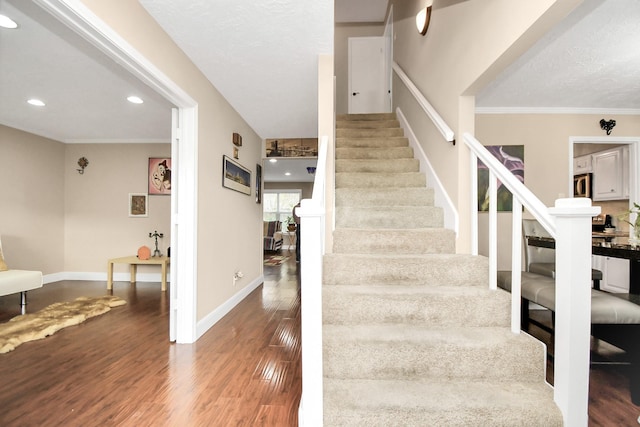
(412, 334)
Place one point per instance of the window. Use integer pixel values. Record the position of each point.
(278, 204)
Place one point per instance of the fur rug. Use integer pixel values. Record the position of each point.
(49, 320)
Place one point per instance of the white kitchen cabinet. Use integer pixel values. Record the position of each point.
(611, 174)
(615, 273)
(582, 164)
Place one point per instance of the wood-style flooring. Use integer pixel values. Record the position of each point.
(119, 369)
(609, 399)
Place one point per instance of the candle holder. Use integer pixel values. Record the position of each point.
(155, 234)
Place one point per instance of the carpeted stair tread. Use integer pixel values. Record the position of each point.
(412, 334)
(389, 154)
(426, 270)
(387, 351)
(377, 165)
(388, 403)
(436, 306)
(394, 241)
(368, 180)
(372, 142)
(393, 196)
(367, 124)
(365, 133)
(389, 217)
(366, 116)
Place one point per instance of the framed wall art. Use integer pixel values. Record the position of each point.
(235, 176)
(258, 183)
(512, 157)
(138, 205)
(159, 176)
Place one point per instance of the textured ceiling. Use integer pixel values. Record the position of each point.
(85, 92)
(261, 55)
(590, 62)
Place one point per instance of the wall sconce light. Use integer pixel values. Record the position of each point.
(83, 163)
(422, 20)
(607, 125)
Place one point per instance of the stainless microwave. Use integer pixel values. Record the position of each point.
(582, 185)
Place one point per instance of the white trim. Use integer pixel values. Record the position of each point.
(212, 318)
(557, 110)
(82, 20)
(117, 141)
(431, 112)
(90, 276)
(442, 199)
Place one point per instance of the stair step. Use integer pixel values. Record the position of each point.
(435, 306)
(387, 351)
(366, 116)
(365, 133)
(426, 270)
(367, 124)
(375, 153)
(377, 166)
(394, 241)
(376, 217)
(368, 180)
(378, 403)
(407, 196)
(383, 143)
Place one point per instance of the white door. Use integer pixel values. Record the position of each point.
(367, 74)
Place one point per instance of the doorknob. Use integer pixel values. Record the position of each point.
(355, 93)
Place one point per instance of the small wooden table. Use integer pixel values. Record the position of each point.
(133, 262)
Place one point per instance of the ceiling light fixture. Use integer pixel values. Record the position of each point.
(36, 102)
(6, 22)
(135, 100)
(287, 173)
(422, 20)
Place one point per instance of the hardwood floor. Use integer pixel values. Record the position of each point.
(120, 369)
(609, 399)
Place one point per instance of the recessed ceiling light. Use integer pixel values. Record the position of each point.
(273, 160)
(135, 100)
(6, 22)
(287, 173)
(36, 102)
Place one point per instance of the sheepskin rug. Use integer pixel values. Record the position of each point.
(49, 320)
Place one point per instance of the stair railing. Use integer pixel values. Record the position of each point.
(312, 226)
(569, 222)
(431, 112)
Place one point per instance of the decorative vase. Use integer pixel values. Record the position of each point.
(291, 227)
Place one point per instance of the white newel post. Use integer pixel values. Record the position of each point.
(573, 308)
(311, 252)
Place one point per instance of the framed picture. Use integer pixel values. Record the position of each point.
(237, 139)
(159, 176)
(236, 155)
(258, 183)
(138, 205)
(512, 157)
(235, 176)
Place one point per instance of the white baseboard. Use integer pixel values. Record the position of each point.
(212, 318)
(101, 277)
(442, 199)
